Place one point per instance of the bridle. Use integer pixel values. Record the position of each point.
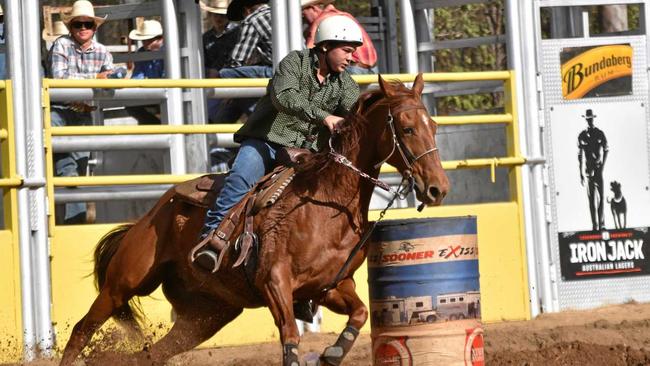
(407, 156)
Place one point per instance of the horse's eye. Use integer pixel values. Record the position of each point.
(408, 130)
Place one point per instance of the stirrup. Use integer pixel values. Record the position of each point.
(209, 260)
(243, 244)
(206, 257)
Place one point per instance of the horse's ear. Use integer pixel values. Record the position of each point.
(418, 84)
(386, 88)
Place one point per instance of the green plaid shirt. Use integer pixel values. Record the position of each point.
(295, 105)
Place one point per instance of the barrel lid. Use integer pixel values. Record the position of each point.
(424, 227)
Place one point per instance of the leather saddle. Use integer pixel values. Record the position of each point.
(264, 194)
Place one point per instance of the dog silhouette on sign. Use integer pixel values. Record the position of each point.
(618, 205)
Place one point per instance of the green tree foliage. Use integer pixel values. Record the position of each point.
(354, 7)
(469, 21)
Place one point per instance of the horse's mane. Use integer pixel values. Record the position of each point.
(351, 130)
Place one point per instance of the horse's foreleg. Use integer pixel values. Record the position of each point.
(344, 300)
(278, 294)
(99, 312)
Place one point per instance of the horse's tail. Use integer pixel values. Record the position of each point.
(130, 312)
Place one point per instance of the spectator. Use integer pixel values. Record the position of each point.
(57, 30)
(218, 43)
(50, 35)
(251, 57)
(364, 59)
(3, 67)
(220, 39)
(77, 56)
(150, 32)
(254, 48)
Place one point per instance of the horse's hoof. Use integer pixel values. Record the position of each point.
(333, 355)
(290, 355)
(311, 359)
(207, 260)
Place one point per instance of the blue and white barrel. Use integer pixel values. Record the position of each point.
(425, 304)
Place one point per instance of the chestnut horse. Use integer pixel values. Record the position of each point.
(304, 239)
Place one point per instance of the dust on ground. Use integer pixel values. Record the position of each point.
(612, 335)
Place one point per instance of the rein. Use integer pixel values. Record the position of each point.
(401, 192)
(405, 187)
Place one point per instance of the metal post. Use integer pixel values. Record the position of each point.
(423, 25)
(279, 27)
(36, 171)
(585, 24)
(194, 99)
(538, 251)
(294, 11)
(13, 15)
(515, 62)
(174, 101)
(409, 45)
(389, 13)
(644, 16)
(423, 32)
(566, 22)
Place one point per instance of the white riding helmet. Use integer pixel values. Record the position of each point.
(338, 28)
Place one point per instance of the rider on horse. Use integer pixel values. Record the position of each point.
(306, 99)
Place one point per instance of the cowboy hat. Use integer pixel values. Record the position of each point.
(82, 9)
(215, 6)
(58, 29)
(589, 114)
(305, 3)
(146, 30)
(236, 8)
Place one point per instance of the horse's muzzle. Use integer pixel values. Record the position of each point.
(431, 195)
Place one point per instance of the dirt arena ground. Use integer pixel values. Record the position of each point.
(613, 335)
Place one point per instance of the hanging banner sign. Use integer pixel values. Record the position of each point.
(596, 71)
(588, 254)
(600, 175)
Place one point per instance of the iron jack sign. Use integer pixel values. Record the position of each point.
(589, 254)
(596, 71)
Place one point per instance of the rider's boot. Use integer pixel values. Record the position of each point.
(212, 250)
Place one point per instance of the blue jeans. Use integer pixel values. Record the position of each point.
(255, 159)
(68, 164)
(229, 110)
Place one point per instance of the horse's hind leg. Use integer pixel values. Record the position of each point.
(117, 285)
(99, 312)
(344, 300)
(197, 320)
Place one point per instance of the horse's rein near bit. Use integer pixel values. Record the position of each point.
(407, 156)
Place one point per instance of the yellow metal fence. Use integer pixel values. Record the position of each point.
(10, 305)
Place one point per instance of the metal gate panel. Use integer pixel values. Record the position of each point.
(594, 292)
